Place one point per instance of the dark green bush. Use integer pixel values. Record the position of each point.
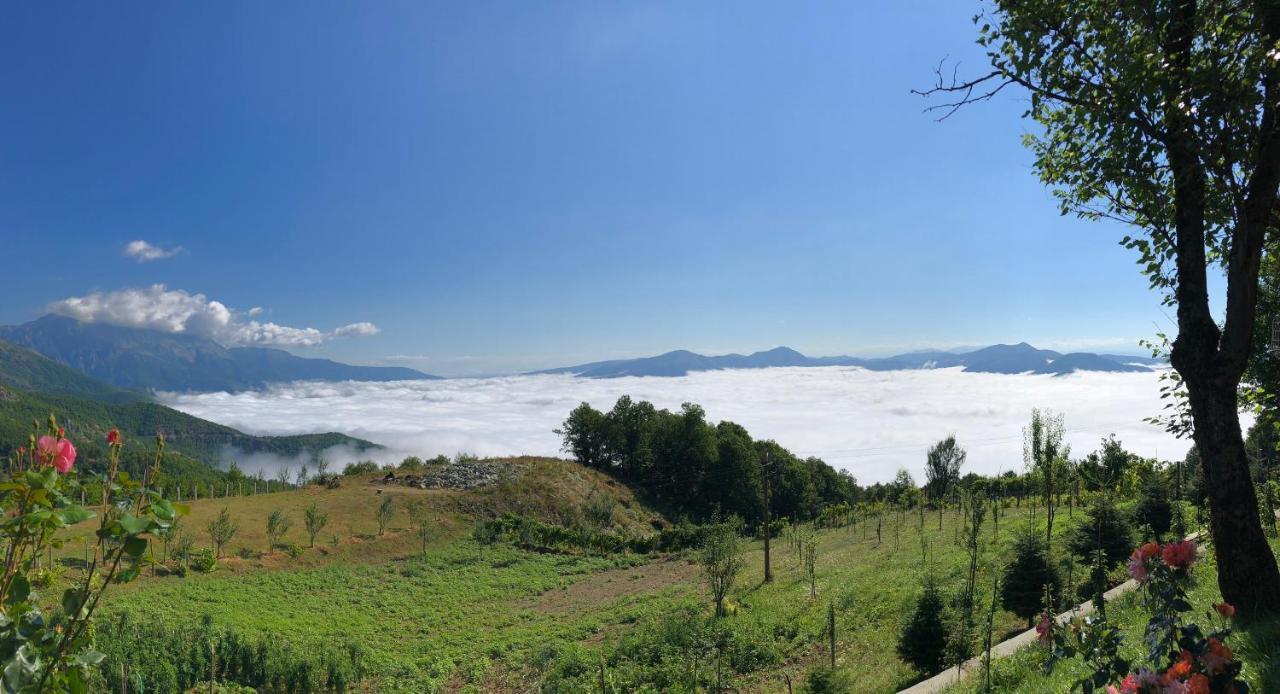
(1154, 509)
(923, 642)
(825, 680)
(1105, 527)
(1025, 578)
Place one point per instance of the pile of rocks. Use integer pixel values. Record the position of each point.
(451, 476)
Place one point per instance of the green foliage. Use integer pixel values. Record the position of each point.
(385, 508)
(278, 523)
(827, 680)
(164, 658)
(411, 464)
(721, 560)
(942, 467)
(923, 641)
(366, 467)
(1106, 528)
(221, 529)
(1025, 577)
(684, 463)
(204, 560)
(1153, 509)
(315, 521)
(47, 645)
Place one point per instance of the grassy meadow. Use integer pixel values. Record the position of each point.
(471, 617)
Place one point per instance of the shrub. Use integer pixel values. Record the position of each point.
(1154, 509)
(923, 641)
(599, 509)
(721, 560)
(384, 513)
(204, 560)
(1105, 528)
(1022, 591)
(827, 680)
(278, 523)
(411, 464)
(221, 530)
(367, 467)
(315, 520)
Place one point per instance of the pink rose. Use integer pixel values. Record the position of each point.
(60, 452)
(1138, 566)
(1044, 630)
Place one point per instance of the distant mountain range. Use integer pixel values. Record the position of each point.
(146, 360)
(1000, 359)
(33, 386)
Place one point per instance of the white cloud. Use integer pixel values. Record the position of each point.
(870, 423)
(177, 311)
(144, 252)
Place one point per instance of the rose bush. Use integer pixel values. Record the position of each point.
(1182, 657)
(45, 645)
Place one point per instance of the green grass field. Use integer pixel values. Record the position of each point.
(494, 618)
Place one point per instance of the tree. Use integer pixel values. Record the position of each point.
(721, 559)
(384, 513)
(1022, 589)
(1164, 115)
(586, 436)
(1154, 509)
(942, 467)
(923, 641)
(315, 520)
(221, 530)
(1104, 529)
(1045, 457)
(278, 523)
(419, 518)
(322, 466)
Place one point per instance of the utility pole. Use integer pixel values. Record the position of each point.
(765, 464)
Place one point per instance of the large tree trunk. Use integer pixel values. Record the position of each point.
(1247, 573)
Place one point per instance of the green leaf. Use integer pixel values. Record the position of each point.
(127, 575)
(133, 524)
(135, 546)
(75, 514)
(19, 589)
(90, 657)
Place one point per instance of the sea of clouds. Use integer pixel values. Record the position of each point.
(870, 423)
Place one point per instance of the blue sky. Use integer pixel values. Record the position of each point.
(505, 186)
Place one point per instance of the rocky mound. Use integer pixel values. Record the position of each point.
(452, 476)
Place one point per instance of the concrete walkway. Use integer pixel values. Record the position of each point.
(954, 675)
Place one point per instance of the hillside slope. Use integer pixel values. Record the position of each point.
(32, 387)
(25, 369)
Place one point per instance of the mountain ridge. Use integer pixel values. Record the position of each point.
(1000, 358)
(149, 360)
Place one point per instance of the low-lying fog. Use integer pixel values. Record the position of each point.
(870, 423)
